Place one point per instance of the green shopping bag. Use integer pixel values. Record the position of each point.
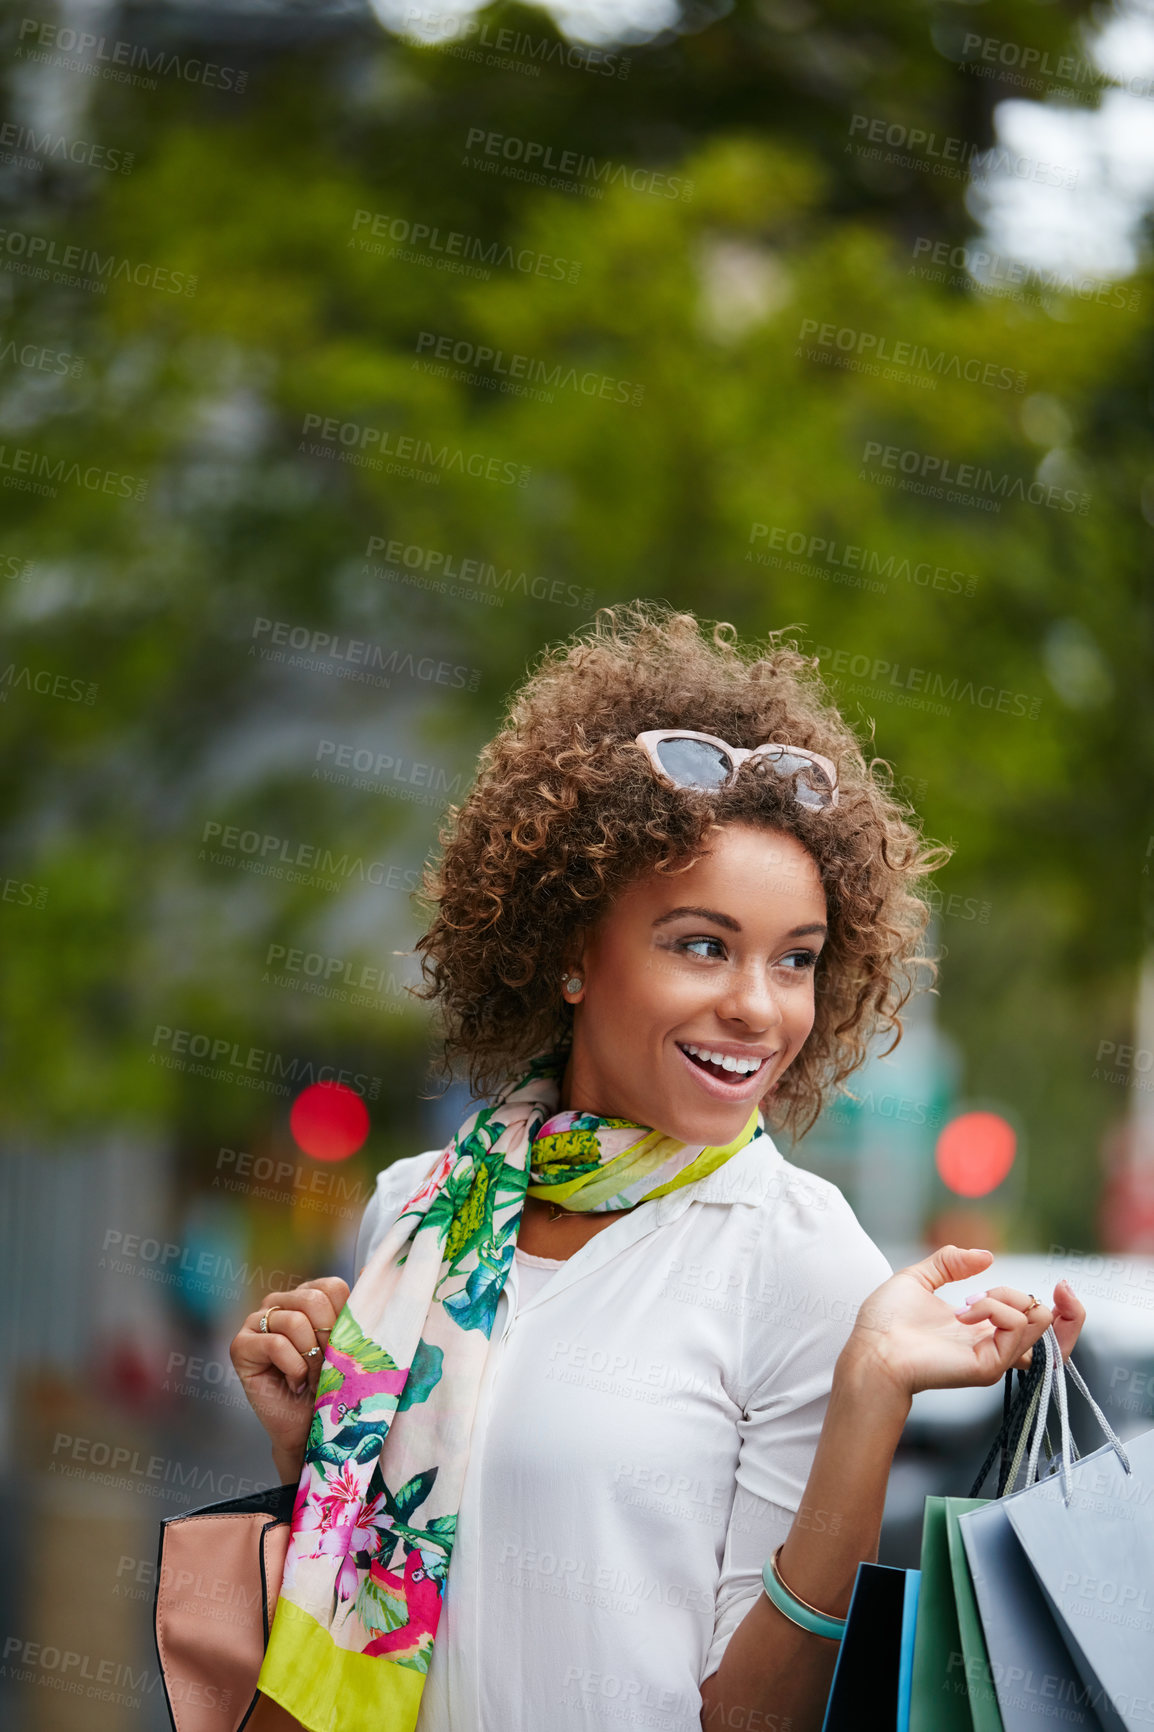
(975, 1667)
(952, 1688)
(950, 1691)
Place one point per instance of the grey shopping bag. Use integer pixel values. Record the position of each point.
(1033, 1675)
(1038, 1673)
(1090, 1547)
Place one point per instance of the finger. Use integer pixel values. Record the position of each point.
(1014, 1335)
(1030, 1307)
(949, 1263)
(322, 1301)
(336, 1291)
(299, 1330)
(262, 1353)
(1069, 1316)
(1034, 1310)
(1015, 1296)
(311, 1298)
(987, 1309)
(1005, 1315)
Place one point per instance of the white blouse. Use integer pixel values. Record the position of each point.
(645, 1427)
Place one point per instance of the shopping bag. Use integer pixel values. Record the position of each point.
(913, 1673)
(906, 1657)
(875, 1655)
(950, 1687)
(1091, 1554)
(1029, 1665)
(1036, 1669)
(974, 1662)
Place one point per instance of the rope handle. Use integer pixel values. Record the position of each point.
(1016, 1414)
(1024, 1420)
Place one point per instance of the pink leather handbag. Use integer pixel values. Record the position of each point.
(218, 1577)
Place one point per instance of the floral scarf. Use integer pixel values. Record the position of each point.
(376, 1510)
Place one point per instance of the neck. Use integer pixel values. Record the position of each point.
(565, 1094)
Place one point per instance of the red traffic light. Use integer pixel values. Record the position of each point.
(975, 1152)
(329, 1121)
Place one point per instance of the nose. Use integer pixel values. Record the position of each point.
(748, 998)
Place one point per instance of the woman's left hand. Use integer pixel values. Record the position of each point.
(920, 1342)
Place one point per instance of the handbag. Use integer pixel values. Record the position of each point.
(218, 1577)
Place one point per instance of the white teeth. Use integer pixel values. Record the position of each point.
(743, 1066)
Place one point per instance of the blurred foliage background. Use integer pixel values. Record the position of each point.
(250, 198)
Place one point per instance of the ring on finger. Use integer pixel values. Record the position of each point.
(312, 1352)
(265, 1315)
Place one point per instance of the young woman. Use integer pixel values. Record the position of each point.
(605, 1426)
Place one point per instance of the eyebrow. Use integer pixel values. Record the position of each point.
(732, 925)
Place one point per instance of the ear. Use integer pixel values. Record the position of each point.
(576, 954)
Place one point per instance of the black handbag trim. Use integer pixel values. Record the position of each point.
(155, 1631)
(275, 1501)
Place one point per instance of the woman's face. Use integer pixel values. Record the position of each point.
(715, 960)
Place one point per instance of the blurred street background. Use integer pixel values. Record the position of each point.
(351, 353)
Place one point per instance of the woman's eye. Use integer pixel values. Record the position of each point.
(714, 948)
(690, 942)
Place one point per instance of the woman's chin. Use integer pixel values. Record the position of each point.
(709, 1122)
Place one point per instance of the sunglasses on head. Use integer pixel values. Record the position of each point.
(686, 759)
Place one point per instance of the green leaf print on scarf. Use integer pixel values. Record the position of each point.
(572, 1154)
(459, 1210)
(424, 1375)
(350, 1339)
(463, 1211)
(473, 1219)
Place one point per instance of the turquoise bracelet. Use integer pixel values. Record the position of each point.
(817, 1623)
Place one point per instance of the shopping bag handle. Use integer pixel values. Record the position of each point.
(1017, 1422)
(1025, 1419)
(1054, 1381)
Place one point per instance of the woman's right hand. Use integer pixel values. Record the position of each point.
(278, 1370)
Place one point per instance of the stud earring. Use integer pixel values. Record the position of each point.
(574, 983)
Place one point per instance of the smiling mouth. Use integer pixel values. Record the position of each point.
(719, 1073)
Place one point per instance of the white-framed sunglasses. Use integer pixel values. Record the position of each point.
(686, 759)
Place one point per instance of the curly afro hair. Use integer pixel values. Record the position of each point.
(565, 811)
